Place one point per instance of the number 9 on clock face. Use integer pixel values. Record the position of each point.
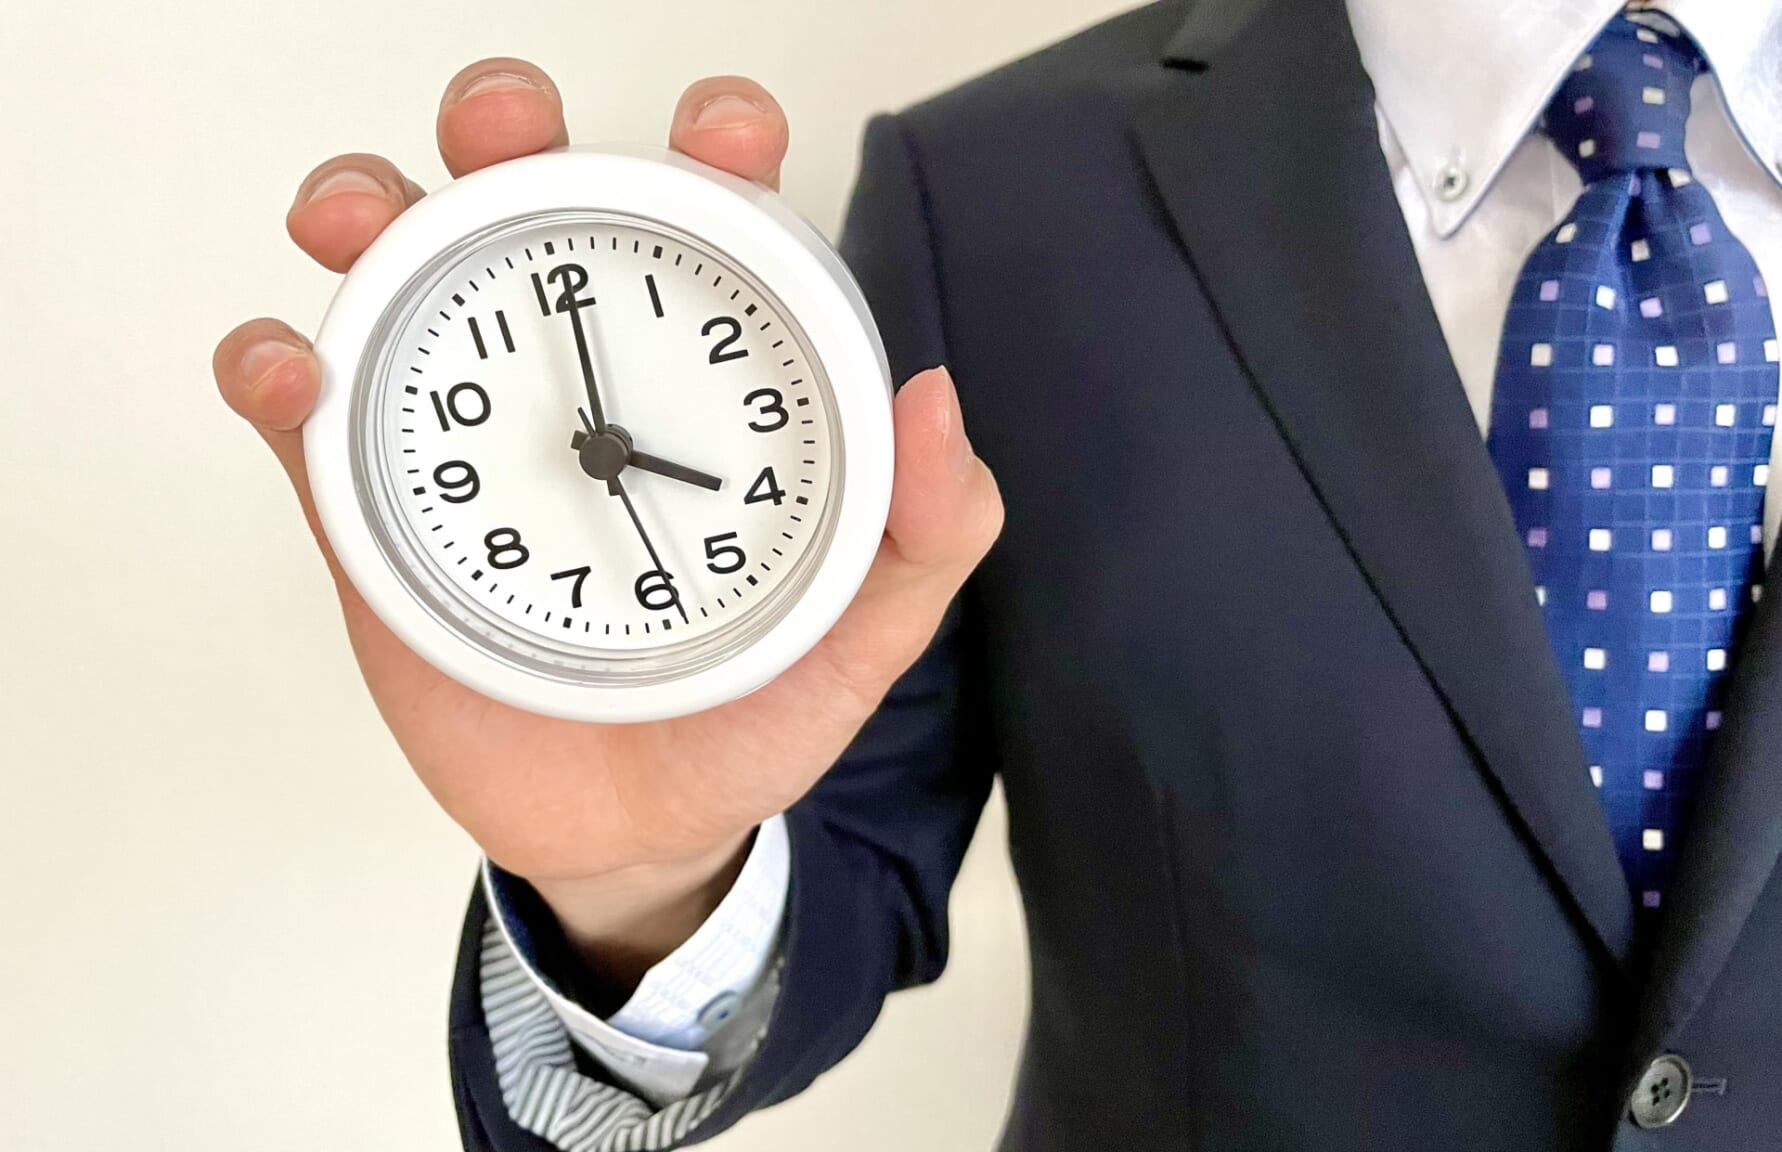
(603, 435)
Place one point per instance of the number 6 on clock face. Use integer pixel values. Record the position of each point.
(605, 435)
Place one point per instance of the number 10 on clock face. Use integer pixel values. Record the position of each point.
(603, 435)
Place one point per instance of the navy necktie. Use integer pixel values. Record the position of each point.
(1631, 423)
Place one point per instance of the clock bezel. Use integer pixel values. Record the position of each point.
(742, 224)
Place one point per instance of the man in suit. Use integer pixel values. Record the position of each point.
(1374, 656)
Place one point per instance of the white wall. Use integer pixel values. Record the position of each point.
(230, 910)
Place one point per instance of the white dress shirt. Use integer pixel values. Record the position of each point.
(1459, 86)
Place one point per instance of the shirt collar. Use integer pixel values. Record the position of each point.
(1461, 82)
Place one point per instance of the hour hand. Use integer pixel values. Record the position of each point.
(648, 463)
(631, 458)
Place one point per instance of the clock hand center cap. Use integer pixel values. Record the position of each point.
(604, 454)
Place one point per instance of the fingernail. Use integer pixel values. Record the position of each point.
(497, 82)
(262, 357)
(958, 444)
(724, 111)
(341, 180)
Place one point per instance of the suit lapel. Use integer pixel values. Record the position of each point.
(1267, 158)
(1734, 837)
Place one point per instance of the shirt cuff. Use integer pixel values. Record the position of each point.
(669, 1036)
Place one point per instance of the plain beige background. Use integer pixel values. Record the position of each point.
(230, 911)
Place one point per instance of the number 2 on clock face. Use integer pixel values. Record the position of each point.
(706, 406)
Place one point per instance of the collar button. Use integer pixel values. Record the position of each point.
(1451, 182)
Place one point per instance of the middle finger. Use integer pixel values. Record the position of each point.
(495, 110)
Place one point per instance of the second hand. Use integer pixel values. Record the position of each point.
(617, 489)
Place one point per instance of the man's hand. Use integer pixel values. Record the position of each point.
(632, 833)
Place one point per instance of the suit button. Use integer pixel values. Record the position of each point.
(1662, 1093)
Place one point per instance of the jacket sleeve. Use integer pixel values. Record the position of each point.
(875, 846)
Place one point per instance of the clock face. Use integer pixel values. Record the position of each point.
(594, 443)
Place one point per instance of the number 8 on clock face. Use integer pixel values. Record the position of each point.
(603, 435)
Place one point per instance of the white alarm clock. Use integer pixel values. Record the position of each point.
(603, 434)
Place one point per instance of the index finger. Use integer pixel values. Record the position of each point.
(733, 123)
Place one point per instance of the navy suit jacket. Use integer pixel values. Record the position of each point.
(1308, 850)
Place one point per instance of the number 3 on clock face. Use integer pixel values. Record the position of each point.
(603, 435)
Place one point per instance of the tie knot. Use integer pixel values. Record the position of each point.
(1625, 104)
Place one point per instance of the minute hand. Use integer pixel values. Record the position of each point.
(587, 362)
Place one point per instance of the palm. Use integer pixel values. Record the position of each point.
(547, 797)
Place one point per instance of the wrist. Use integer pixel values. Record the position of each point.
(622, 923)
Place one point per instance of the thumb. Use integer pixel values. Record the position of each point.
(945, 513)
